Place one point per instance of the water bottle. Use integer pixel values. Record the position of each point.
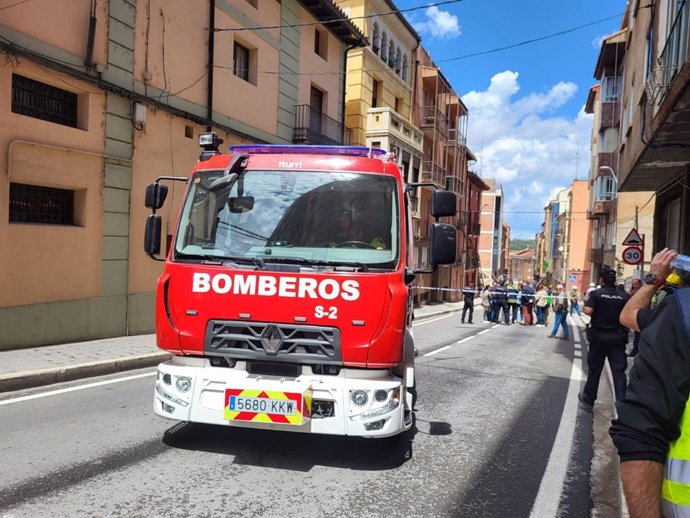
(682, 262)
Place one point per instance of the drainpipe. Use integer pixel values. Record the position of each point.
(343, 87)
(211, 45)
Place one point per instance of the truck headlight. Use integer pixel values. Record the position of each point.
(183, 384)
(360, 398)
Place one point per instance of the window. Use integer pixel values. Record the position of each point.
(376, 39)
(391, 55)
(611, 87)
(375, 93)
(240, 61)
(384, 47)
(38, 204)
(321, 43)
(43, 101)
(404, 68)
(397, 105)
(609, 140)
(397, 61)
(604, 188)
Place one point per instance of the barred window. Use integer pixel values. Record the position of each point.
(38, 204)
(43, 101)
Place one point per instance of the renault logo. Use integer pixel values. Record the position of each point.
(271, 339)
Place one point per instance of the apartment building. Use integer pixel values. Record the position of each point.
(475, 187)
(521, 265)
(491, 232)
(100, 98)
(442, 116)
(615, 211)
(505, 249)
(654, 155)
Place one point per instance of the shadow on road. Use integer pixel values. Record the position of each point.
(292, 450)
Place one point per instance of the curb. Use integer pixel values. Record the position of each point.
(39, 378)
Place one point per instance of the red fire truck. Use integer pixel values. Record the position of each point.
(285, 298)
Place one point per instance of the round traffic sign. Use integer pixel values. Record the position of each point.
(632, 255)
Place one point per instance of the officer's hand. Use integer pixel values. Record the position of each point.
(661, 263)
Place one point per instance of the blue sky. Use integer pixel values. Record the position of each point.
(526, 122)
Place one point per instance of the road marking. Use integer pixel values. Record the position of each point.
(495, 326)
(430, 320)
(578, 354)
(72, 389)
(465, 339)
(437, 350)
(482, 332)
(553, 481)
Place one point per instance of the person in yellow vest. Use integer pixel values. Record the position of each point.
(652, 430)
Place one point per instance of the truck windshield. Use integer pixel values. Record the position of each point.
(310, 217)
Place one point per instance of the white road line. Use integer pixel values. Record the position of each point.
(465, 339)
(72, 389)
(482, 332)
(430, 320)
(495, 326)
(578, 354)
(438, 350)
(553, 481)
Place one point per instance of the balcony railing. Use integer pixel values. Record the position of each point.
(432, 117)
(315, 127)
(675, 51)
(414, 204)
(456, 137)
(433, 172)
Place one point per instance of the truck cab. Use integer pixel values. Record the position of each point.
(285, 297)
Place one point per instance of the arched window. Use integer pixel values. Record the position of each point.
(391, 55)
(384, 46)
(397, 61)
(404, 68)
(376, 39)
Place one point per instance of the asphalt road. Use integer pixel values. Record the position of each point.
(495, 413)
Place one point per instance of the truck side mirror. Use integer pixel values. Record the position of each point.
(155, 195)
(443, 203)
(152, 235)
(443, 243)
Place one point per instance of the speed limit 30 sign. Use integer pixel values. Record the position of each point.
(632, 255)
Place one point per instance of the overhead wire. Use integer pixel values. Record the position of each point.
(14, 4)
(335, 20)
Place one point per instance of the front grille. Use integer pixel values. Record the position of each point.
(275, 342)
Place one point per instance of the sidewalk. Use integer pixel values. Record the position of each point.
(38, 366)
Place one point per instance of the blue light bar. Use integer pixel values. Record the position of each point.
(269, 149)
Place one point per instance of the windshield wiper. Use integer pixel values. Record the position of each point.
(318, 262)
(233, 262)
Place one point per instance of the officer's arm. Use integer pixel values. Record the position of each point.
(640, 299)
(661, 267)
(641, 483)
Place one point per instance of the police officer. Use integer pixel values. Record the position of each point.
(652, 431)
(606, 336)
(468, 295)
(500, 297)
(513, 301)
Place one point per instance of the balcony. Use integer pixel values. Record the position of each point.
(667, 90)
(456, 139)
(385, 122)
(315, 127)
(433, 121)
(414, 205)
(433, 172)
(601, 208)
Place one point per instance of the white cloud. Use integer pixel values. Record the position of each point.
(439, 24)
(597, 42)
(521, 143)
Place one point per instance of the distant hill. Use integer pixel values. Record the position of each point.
(521, 244)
